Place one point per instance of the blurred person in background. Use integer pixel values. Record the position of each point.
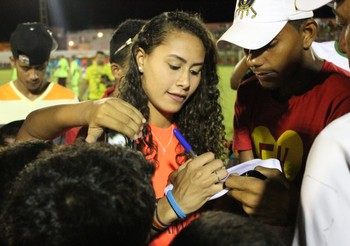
(62, 71)
(96, 78)
(333, 51)
(75, 74)
(31, 45)
(119, 49)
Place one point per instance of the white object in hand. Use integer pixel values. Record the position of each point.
(240, 169)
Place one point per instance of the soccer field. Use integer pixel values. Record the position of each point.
(5, 75)
(227, 99)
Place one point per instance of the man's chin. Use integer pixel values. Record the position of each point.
(268, 85)
(35, 91)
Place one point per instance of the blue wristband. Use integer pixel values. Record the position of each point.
(174, 205)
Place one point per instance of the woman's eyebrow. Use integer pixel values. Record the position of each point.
(185, 61)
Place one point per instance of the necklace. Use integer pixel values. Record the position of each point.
(170, 140)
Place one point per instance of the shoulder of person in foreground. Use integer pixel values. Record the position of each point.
(326, 176)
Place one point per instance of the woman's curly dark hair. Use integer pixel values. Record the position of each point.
(200, 119)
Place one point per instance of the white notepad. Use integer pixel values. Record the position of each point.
(240, 169)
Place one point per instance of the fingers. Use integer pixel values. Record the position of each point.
(219, 175)
(206, 162)
(118, 115)
(268, 172)
(250, 200)
(93, 135)
(201, 160)
(207, 169)
(198, 180)
(245, 183)
(215, 188)
(125, 109)
(268, 199)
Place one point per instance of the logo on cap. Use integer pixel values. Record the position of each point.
(244, 6)
(24, 59)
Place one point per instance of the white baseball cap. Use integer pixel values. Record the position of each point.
(307, 5)
(257, 22)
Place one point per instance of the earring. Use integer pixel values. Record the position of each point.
(140, 69)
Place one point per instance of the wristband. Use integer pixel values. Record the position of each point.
(174, 205)
(156, 226)
(158, 220)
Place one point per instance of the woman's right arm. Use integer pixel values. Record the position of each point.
(111, 113)
(193, 185)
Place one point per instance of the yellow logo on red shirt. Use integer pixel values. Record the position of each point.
(288, 149)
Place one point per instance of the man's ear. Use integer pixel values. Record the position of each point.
(117, 71)
(309, 30)
(12, 61)
(140, 59)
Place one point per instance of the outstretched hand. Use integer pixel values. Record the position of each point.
(273, 200)
(115, 114)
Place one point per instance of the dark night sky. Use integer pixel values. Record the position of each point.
(83, 14)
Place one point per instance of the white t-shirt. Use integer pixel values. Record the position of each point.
(324, 215)
(16, 106)
(330, 52)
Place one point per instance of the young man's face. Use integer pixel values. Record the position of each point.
(342, 11)
(278, 61)
(100, 59)
(30, 78)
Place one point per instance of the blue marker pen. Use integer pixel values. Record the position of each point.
(184, 143)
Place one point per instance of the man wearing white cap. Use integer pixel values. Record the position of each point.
(280, 110)
(324, 214)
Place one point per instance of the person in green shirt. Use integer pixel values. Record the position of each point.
(98, 76)
(75, 74)
(62, 71)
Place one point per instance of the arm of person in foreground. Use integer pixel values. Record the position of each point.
(112, 113)
(193, 185)
(273, 200)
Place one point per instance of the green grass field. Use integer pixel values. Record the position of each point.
(5, 75)
(228, 96)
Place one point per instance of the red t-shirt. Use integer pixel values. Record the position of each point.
(286, 130)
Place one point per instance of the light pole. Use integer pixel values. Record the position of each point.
(43, 12)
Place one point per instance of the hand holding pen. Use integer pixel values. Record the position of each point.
(192, 154)
(204, 168)
(185, 144)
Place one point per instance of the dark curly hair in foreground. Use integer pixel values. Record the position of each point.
(87, 194)
(13, 159)
(226, 229)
